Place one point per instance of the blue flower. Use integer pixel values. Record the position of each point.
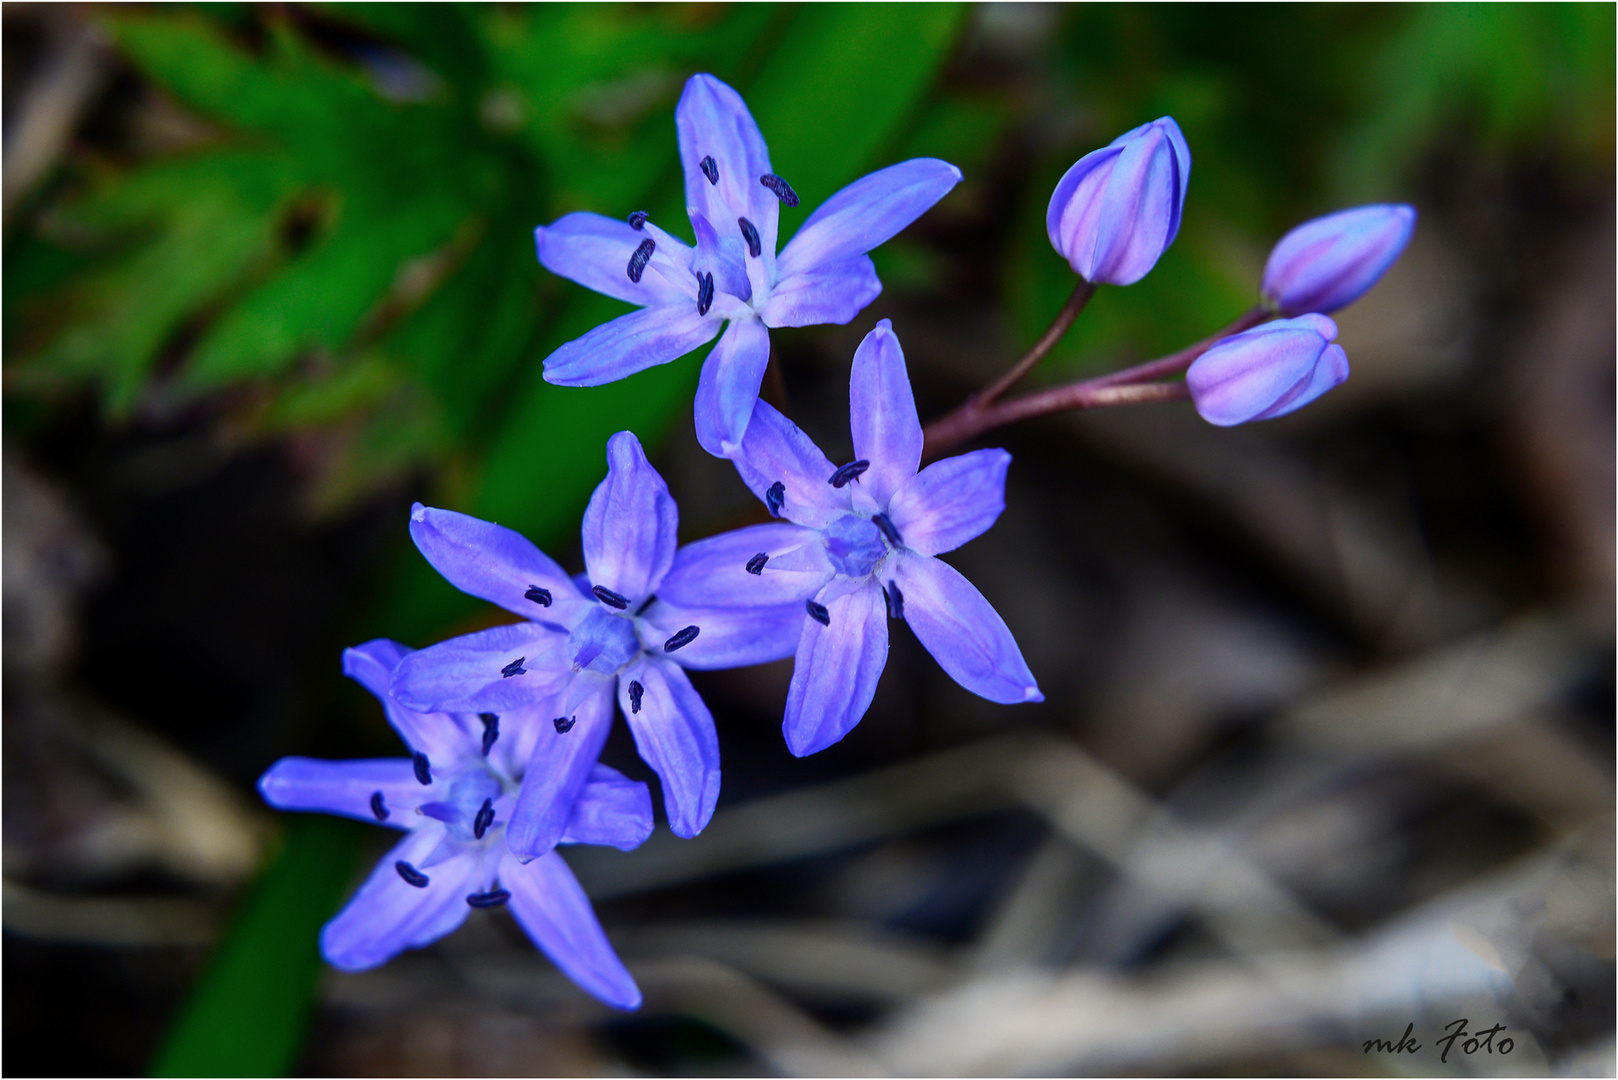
(587, 641)
(454, 797)
(1330, 262)
(1268, 371)
(858, 547)
(733, 274)
(1116, 211)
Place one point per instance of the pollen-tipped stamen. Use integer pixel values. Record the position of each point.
(378, 807)
(424, 771)
(491, 730)
(411, 875)
(484, 818)
(682, 639)
(642, 256)
(704, 293)
(492, 898)
(817, 612)
(564, 724)
(781, 188)
(755, 565)
(749, 233)
(610, 598)
(847, 473)
(636, 691)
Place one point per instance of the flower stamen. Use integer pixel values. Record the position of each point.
(411, 875)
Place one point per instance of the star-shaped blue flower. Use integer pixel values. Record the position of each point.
(454, 795)
(858, 547)
(610, 634)
(733, 274)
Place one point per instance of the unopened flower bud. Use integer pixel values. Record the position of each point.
(1267, 371)
(1330, 262)
(1118, 208)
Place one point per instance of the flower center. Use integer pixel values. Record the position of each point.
(603, 641)
(854, 544)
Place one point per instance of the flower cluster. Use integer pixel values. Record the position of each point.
(505, 727)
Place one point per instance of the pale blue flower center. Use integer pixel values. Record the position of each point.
(854, 544)
(459, 807)
(603, 641)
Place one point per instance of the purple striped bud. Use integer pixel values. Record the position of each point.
(1330, 262)
(1267, 371)
(1118, 208)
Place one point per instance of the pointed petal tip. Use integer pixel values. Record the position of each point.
(1031, 695)
(418, 512)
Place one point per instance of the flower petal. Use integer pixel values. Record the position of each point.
(675, 735)
(467, 674)
(344, 788)
(612, 809)
(733, 636)
(712, 121)
(712, 573)
(441, 737)
(549, 904)
(630, 525)
(1331, 370)
(775, 450)
(866, 213)
(631, 343)
(836, 670)
(731, 376)
(882, 414)
(595, 252)
(830, 293)
(387, 915)
(496, 564)
(951, 501)
(557, 772)
(965, 635)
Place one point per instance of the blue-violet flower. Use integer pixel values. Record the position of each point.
(1116, 211)
(1268, 371)
(1332, 261)
(454, 798)
(586, 641)
(858, 547)
(733, 274)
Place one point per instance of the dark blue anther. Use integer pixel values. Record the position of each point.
(378, 807)
(424, 772)
(411, 875)
(682, 639)
(492, 898)
(895, 599)
(888, 530)
(491, 730)
(564, 724)
(484, 819)
(636, 690)
(704, 293)
(610, 598)
(514, 668)
(648, 602)
(848, 472)
(781, 188)
(750, 234)
(637, 220)
(775, 498)
(709, 169)
(642, 256)
(542, 597)
(818, 612)
(755, 565)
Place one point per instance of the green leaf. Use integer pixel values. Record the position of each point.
(248, 1015)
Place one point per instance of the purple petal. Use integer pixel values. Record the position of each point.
(836, 670)
(1332, 261)
(712, 121)
(832, 293)
(387, 915)
(1117, 209)
(1250, 375)
(882, 414)
(595, 252)
(965, 635)
(1331, 370)
(675, 735)
(547, 900)
(344, 787)
(866, 213)
(612, 809)
(631, 343)
(731, 376)
(557, 773)
(466, 674)
(440, 736)
(775, 450)
(951, 501)
(496, 564)
(732, 636)
(630, 525)
(712, 573)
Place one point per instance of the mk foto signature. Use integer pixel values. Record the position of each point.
(1471, 1041)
